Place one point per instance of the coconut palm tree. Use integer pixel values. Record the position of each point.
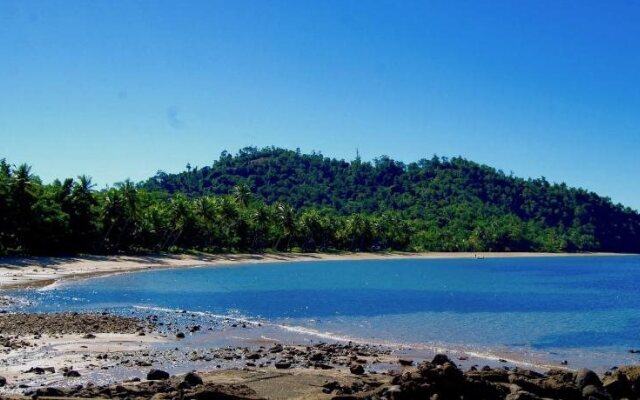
(113, 213)
(285, 219)
(182, 217)
(242, 194)
(82, 214)
(259, 218)
(23, 197)
(128, 199)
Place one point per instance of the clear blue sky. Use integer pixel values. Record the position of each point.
(118, 89)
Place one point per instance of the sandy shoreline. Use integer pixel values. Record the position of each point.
(132, 353)
(25, 272)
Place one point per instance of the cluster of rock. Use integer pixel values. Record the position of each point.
(441, 379)
(322, 355)
(364, 388)
(158, 386)
(68, 323)
(8, 302)
(9, 343)
(348, 356)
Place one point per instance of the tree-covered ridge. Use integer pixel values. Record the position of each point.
(283, 200)
(454, 197)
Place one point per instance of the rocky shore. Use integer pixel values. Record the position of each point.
(110, 346)
(438, 379)
(442, 379)
(69, 323)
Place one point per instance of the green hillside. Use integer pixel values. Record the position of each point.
(451, 204)
(262, 199)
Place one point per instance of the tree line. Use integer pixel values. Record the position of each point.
(268, 199)
(450, 204)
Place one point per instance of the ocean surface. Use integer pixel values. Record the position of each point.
(585, 310)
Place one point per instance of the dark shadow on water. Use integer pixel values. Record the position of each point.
(626, 337)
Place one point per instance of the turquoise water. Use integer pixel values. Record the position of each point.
(583, 309)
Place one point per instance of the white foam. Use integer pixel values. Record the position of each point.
(201, 313)
(427, 347)
(67, 281)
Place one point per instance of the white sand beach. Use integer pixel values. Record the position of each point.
(22, 272)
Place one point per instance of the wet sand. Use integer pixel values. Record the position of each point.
(109, 356)
(40, 349)
(70, 349)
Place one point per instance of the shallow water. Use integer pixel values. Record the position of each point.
(582, 309)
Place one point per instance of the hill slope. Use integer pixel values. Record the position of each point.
(283, 200)
(453, 200)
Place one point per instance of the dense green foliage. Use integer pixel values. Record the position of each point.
(283, 200)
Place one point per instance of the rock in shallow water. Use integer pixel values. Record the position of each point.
(157, 375)
(71, 374)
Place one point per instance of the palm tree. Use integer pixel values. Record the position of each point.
(5, 204)
(130, 197)
(113, 211)
(182, 217)
(259, 219)
(81, 216)
(242, 194)
(22, 186)
(285, 218)
(359, 232)
(205, 212)
(84, 185)
(228, 217)
(23, 198)
(313, 226)
(129, 210)
(154, 231)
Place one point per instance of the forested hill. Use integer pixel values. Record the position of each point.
(273, 199)
(454, 197)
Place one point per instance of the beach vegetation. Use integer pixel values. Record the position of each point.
(275, 199)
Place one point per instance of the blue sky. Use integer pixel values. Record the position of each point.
(118, 89)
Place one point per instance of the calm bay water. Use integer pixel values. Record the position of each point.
(583, 309)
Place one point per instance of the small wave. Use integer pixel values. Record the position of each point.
(53, 285)
(68, 280)
(255, 322)
(201, 313)
(9, 302)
